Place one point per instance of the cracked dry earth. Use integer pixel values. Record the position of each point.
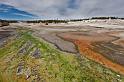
(61, 54)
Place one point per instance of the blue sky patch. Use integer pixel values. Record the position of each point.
(10, 12)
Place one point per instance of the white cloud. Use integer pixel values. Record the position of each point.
(24, 15)
(61, 9)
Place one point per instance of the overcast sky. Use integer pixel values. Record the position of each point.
(52, 9)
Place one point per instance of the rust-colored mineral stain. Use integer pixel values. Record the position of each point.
(85, 48)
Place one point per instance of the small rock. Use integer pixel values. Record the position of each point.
(36, 54)
(22, 51)
(28, 73)
(25, 47)
(19, 70)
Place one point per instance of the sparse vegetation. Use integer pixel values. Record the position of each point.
(51, 66)
(48, 21)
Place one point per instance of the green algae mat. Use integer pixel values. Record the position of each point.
(27, 58)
